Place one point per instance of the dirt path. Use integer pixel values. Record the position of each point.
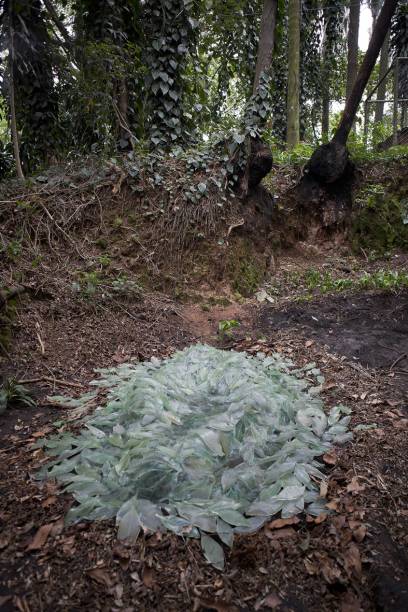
(350, 560)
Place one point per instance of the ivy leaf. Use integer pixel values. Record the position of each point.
(202, 187)
(213, 551)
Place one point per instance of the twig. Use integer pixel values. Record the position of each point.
(400, 358)
(64, 383)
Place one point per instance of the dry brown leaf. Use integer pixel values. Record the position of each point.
(324, 487)
(280, 534)
(149, 577)
(278, 523)
(360, 533)
(352, 560)
(101, 576)
(4, 540)
(68, 546)
(272, 601)
(309, 343)
(333, 504)
(355, 486)
(40, 537)
(330, 458)
(50, 501)
(328, 385)
(311, 567)
(364, 395)
(402, 424)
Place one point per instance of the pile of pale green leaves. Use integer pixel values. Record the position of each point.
(205, 442)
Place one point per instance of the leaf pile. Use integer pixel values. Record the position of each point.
(205, 442)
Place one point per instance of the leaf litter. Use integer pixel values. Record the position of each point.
(206, 444)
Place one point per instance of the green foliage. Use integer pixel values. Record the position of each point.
(226, 326)
(206, 443)
(170, 29)
(12, 394)
(324, 282)
(96, 285)
(380, 223)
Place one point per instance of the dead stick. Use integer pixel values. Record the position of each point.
(65, 383)
(400, 358)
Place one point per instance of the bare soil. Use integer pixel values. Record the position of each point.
(351, 560)
(371, 328)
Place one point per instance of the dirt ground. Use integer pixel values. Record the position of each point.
(352, 559)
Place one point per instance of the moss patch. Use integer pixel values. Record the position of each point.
(246, 269)
(380, 223)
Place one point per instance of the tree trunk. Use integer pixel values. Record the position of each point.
(13, 118)
(352, 45)
(380, 30)
(328, 163)
(292, 136)
(382, 89)
(325, 90)
(259, 155)
(266, 40)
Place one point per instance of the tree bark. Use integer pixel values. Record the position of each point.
(382, 89)
(329, 162)
(325, 89)
(13, 117)
(380, 30)
(292, 135)
(259, 155)
(266, 40)
(352, 45)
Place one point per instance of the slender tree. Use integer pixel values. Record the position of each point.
(329, 161)
(382, 89)
(266, 40)
(12, 102)
(293, 108)
(352, 44)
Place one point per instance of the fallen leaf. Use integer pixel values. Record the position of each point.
(50, 501)
(402, 424)
(328, 385)
(58, 527)
(330, 458)
(352, 560)
(278, 523)
(149, 577)
(309, 343)
(333, 504)
(101, 576)
(280, 534)
(40, 537)
(360, 533)
(4, 540)
(364, 395)
(355, 486)
(311, 566)
(324, 486)
(68, 546)
(272, 601)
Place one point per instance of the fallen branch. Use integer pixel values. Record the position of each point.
(55, 381)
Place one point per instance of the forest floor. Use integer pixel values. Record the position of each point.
(352, 559)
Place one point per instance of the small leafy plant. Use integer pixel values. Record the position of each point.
(12, 393)
(226, 326)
